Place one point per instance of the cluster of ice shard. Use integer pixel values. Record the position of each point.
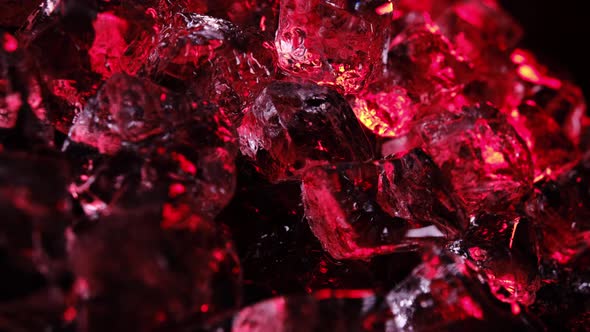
(287, 165)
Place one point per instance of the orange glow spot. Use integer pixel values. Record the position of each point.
(513, 233)
(517, 58)
(387, 114)
(493, 157)
(544, 174)
(433, 28)
(521, 56)
(70, 314)
(529, 73)
(385, 8)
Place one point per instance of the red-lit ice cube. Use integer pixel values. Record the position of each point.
(444, 294)
(478, 28)
(547, 112)
(228, 66)
(329, 43)
(361, 210)
(551, 150)
(486, 161)
(188, 169)
(259, 15)
(125, 109)
(422, 60)
(384, 109)
(251, 14)
(561, 211)
(556, 97)
(74, 45)
(422, 69)
(504, 248)
(291, 126)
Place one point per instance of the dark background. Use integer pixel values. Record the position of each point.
(559, 32)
